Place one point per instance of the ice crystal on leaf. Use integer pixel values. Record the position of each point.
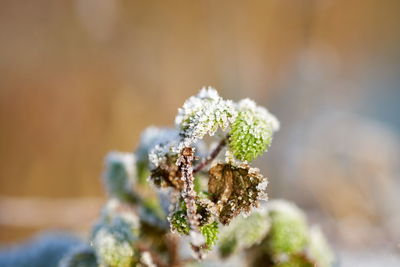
(251, 132)
(204, 114)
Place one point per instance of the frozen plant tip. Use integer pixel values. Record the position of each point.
(177, 187)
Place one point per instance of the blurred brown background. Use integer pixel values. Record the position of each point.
(80, 78)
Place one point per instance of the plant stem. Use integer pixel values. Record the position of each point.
(188, 193)
(212, 156)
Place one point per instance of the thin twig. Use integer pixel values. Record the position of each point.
(211, 157)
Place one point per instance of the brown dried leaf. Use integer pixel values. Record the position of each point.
(167, 174)
(235, 189)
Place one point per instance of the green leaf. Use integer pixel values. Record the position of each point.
(251, 132)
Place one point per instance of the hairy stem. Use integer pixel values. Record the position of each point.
(212, 156)
(188, 193)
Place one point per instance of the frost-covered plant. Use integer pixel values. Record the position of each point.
(173, 188)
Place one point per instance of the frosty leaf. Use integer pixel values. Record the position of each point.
(210, 233)
(178, 219)
(235, 189)
(113, 237)
(251, 132)
(179, 222)
(319, 250)
(150, 138)
(244, 232)
(120, 174)
(204, 114)
(289, 232)
(296, 261)
(81, 256)
(113, 247)
(167, 173)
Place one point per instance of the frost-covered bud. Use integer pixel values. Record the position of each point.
(204, 114)
(81, 256)
(120, 174)
(289, 232)
(251, 132)
(318, 249)
(210, 232)
(244, 232)
(179, 222)
(114, 236)
(235, 189)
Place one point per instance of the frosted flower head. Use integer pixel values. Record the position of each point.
(204, 114)
(120, 173)
(251, 133)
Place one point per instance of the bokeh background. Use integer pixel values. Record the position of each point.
(80, 78)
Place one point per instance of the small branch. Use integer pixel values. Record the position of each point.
(211, 157)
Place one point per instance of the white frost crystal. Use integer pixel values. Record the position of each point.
(204, 114)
